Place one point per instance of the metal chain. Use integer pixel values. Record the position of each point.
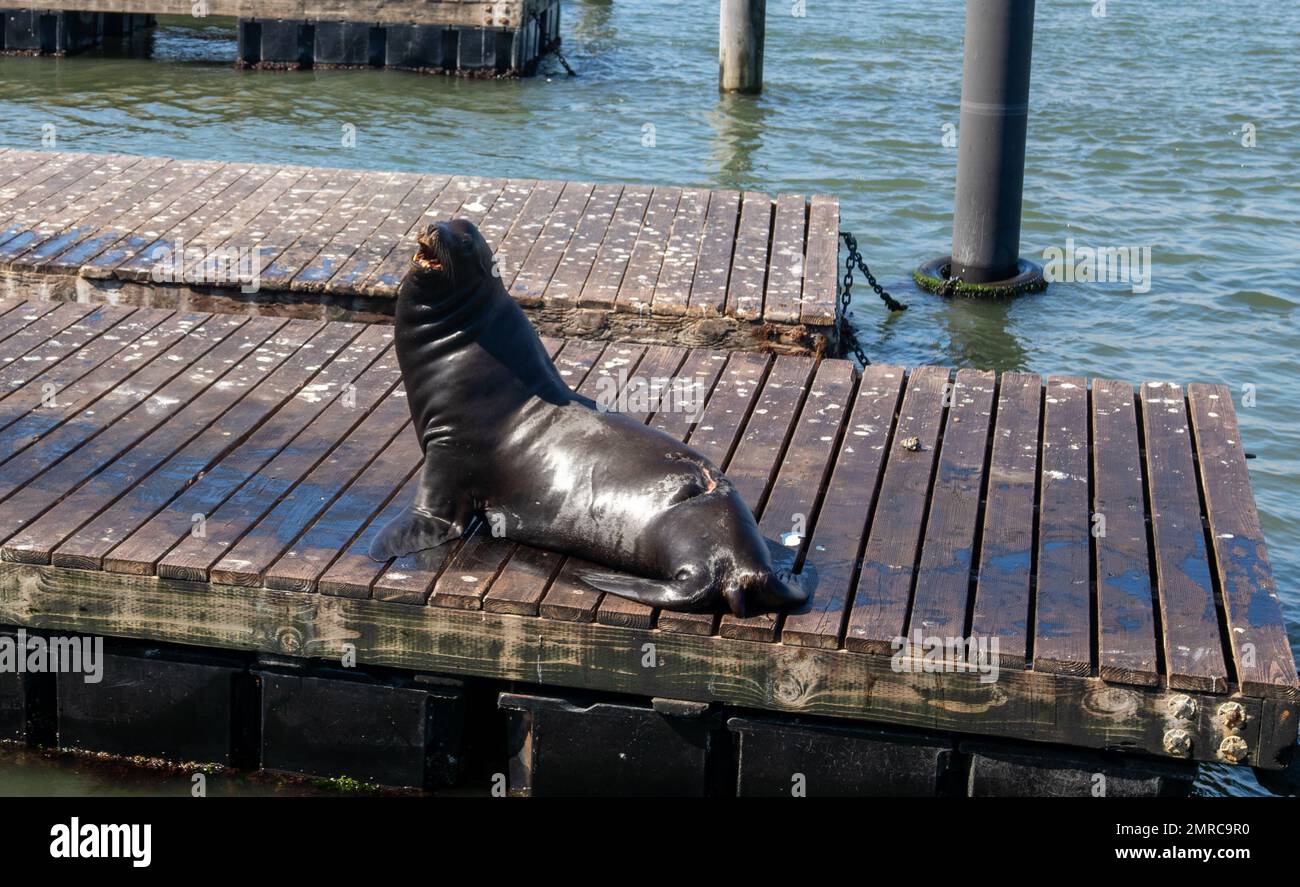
(848, 335)
(555, 48)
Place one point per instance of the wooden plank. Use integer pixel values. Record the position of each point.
(249, 424)
(1126, 629)
(713, 268)
(18, 316)
(47, 337)
(53, 217)
(505, 209)
(83, 410)
(326, 442)
(1007, 548)
(1188, 615)
(1063, 604)
(672, 291)
(1261, 652)
(579, 256)
(845, 518)
(525, 572)
(113, 221)
(878, 614)
(716, 435)
(527, 226)
(26, 195)
(148, 223)
(17, 164)
(70, 382)
(140, 552)
(749, 263)
(784, 297)
(214, 241)
(788, 515)
(327, 212)
(382, 196)
(304, 562)
(230, 338)
(568, 593)
(943, 579)
(183, 234)
(539, 267)
(607, 271)
(821, 274)
(1033, 705)
(38, 542)
(636, 292)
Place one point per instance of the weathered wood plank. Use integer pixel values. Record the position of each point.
(383, 196)
(462, 13)
(878, 613)
(784, 297)
(787, 517)
(158, 482)
(140, 552)
(515, 245)
(1126, 629)
(844, 520)
(713, 268)
(1007, 548)
(672, 291)
(74, 382)
(636, 292)
(943, 578)
(537, 269)
(228, 339)
(324, 441)
(303, 234)
(602, 285)
(566, 284)
(1033, 705)
(749, 263)
(38, 542)
(1062, 611)
(1188, 613)
(822, 265)
(1261, 652)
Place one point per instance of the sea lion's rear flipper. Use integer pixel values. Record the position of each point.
(412, 532)
(672, 594)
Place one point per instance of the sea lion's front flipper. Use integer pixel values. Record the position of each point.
(437, 516)
(412, 532)
(674, 594)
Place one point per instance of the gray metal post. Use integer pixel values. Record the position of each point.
(740, 45)
(991, 150)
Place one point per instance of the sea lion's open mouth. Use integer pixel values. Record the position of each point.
(426, 258)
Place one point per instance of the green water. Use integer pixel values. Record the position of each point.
(1136, 140)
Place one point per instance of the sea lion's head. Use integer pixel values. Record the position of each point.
(450, 257)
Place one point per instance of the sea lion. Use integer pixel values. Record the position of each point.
(507, 441)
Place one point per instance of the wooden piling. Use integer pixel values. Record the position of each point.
(740, 45)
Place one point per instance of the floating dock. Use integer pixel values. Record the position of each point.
(492, 38)
(656, 265)
(213, 481)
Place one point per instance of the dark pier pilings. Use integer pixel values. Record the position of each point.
(53, 32)
(994, 121)
(741, 26)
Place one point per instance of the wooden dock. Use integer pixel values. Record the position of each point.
(214, 480)
(481, 38)
(657, 265)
